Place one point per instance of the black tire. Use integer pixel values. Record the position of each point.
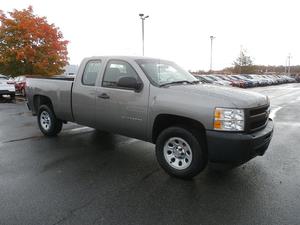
(55, 124)
(196, 144)
(23, 93)
(12, 96)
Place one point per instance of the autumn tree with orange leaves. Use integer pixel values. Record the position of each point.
(29, 45)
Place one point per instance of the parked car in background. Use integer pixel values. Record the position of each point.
(221, 80)
(253, 82)
(7, 87)
(226, 78)
(216, 80)
(211, 79)
(272, 78)
(262, 81)
(238, 82)
(203, 80)
(248, 82)
(20, 84)
(289, 79)
(280, 79)
(267, 79)
(254, 79)
(234, 82)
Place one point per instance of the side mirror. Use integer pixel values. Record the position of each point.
(130, 83)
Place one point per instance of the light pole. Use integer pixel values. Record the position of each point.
(143, 19)
(285, 68)
(289, 64)
(211, 48)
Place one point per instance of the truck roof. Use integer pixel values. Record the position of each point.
(121, 57)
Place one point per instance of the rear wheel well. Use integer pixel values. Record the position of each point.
(39, 100)
(164, 121)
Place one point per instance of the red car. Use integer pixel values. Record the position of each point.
(20, 84)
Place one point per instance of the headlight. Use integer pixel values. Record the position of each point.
(229, 119)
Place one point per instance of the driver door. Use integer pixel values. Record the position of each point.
(119, 110)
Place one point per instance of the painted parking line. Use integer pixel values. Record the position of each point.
(79, 129)
(39, 136)
(290, 124)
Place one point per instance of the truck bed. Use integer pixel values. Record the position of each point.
(58, 89)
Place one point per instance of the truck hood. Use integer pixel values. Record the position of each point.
(239, 98)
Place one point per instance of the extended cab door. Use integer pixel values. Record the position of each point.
(120, 110)
(84, 93)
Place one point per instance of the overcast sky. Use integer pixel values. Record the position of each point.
(176, 30)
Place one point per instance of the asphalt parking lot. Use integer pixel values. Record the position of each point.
(87, 177)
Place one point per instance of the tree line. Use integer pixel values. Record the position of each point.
(244, 64)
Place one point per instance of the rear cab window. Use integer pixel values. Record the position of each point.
(91, 72)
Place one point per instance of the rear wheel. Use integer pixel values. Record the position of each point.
(48, 123)
(23, 92)
(12, 96)
(181, 152)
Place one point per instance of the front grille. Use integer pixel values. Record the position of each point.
(256, 118)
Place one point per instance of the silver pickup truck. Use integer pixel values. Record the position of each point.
(156, 101)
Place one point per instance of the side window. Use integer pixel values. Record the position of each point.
(91, 72)
(116, 69)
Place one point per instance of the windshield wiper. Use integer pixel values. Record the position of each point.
(180, 82)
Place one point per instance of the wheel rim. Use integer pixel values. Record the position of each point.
(178, 153)
(45, 120)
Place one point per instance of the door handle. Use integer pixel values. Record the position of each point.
(104, 96)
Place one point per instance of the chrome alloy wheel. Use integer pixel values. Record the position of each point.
(45, 120)
(178, 153)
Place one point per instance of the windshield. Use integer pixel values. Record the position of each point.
(233, 78)
(222, 78)
(247, 76)
(215, 78)
(238, 78)
(212, 78)
(226, 78)
(162, 72)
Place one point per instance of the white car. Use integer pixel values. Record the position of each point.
(7, 87)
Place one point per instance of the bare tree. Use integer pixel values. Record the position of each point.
(244, 64)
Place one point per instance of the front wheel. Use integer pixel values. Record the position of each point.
(48, 123)
(181, 152)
